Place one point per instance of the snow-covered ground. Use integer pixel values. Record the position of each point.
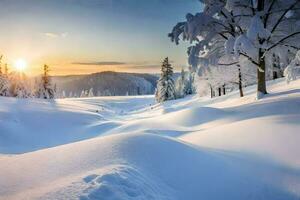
(132, 148)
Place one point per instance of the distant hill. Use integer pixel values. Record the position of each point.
(106, 84)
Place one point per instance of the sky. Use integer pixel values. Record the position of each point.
(87, 36)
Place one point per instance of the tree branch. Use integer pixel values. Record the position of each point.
(268, 13)
(249, 58)
(228, 64)
(280, 41)
(282, 16)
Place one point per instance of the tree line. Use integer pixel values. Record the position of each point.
(17, 84)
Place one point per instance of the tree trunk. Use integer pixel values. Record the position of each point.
(275, 76)
(211, 92)
(261, 74)
(220, 91)
(240, 82)
(224, 89)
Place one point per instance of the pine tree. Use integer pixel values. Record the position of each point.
(165, 89)
(45, 89)
(4, 83)
(4, 86)
(20, 85)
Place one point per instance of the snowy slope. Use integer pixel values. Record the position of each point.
(130, 148)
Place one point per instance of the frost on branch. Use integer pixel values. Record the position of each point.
(243, 45)
(249, 43)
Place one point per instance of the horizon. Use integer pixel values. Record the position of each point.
(78, 37)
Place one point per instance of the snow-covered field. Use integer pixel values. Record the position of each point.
(131, 148)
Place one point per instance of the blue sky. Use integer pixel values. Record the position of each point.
(84, 36)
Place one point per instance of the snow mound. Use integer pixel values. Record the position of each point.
(122, 183)
(152, 167)
(194, 116)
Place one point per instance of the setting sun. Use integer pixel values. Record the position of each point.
(20, 65)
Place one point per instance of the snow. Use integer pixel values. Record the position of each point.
(256, 29)
(131, 148)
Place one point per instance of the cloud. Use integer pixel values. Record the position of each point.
(150, 66)
(100, 63)
(56, 35)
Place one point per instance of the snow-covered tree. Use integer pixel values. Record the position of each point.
(4, 82)
(91, 93)
(248, 29)
(293, 69)
(63, 94)
(273, 24)
(84, 93)
(180, 84)
(165, 89)
(45, 90)
(4, 86)
(20, 85)
(277, 67)
(185, 83)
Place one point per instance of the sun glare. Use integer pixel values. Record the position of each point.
(20, 65)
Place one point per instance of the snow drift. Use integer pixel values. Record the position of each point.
(128, 148)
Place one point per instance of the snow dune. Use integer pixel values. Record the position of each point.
(130, 148)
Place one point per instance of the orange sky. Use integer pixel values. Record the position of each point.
(62, 32)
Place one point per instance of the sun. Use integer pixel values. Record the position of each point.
(20, 65)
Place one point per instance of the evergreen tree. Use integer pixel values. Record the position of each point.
(165, 89)
(20, 85)
(4, 83)
(45, 89)
(4, 86)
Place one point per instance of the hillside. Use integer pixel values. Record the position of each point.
(131, 148)
(107, 84)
